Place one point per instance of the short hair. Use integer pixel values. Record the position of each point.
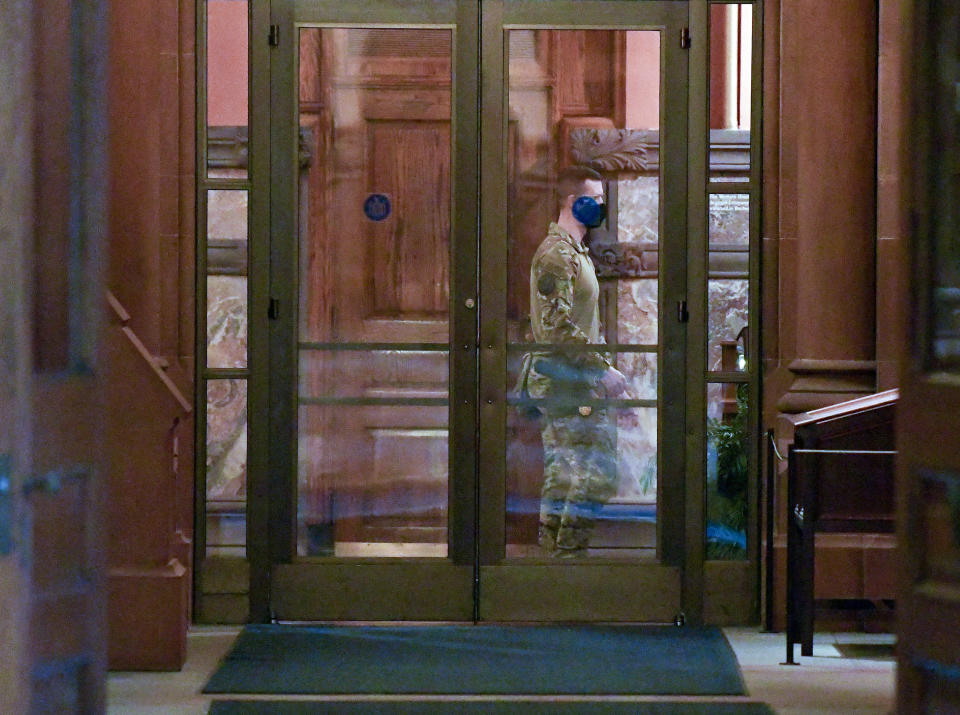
(571, 179)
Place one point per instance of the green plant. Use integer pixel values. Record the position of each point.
(727, 506)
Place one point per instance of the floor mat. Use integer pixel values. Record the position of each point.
(479, 660)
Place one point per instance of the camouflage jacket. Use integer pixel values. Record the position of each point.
(564, 311)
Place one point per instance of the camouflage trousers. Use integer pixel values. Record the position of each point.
(579, 477)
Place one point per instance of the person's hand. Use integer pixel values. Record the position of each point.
(613, 382)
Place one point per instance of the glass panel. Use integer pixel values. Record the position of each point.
(728, 332)
(226, 467)
(226, 321)
(381, 374)
(374, 233)
(583, 98)
(372, 481)
(731, 69)
(944, 188)
(728, 284)
(940, 522)
(729, 220)
(620, 500)
(226, 279)
(227, 230)
(227, 82)
(727, 448)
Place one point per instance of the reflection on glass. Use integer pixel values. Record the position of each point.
(729, 220)
(226, 278)
(582, 470)
(227, 216)
(372, 481)
(727, 325)
(622, 509)
(731, 70)
(374, 276)
(375, 120)
(940, 519)
(728, 284)
(227, 81)
(944, 188)
(727, 448)
(731, 50)
(226, 321)
(381, 374)
(226, 467)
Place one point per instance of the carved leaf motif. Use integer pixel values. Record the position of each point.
(618, 260)
(615, 149)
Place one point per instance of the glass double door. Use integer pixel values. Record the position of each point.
(451, 437)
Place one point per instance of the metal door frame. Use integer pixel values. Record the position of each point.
(270, 484)
(553, 587)
(370, 589)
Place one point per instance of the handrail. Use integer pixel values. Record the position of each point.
(151, 360)
(769, 505)
(773, 443)
(845, 451)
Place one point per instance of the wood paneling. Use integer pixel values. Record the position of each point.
(376, 108)
(148, 433)
(65, 498)
(149, 445)
(16, 255)
(408, 262)
(52, 181)
(64, 495)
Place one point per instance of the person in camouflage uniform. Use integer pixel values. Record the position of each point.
(578, 439)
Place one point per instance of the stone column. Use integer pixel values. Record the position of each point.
(827, 202)
(148, 342)
(820, 318)
(893, 256)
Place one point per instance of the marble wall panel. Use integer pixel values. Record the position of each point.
(727, 315)
(227, 214)
(226, 439)
(637, 454)
(226, 321)
(637, 311)
(638, 208)
(637, 428)
(729, 219)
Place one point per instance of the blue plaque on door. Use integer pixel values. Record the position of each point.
(377, 207)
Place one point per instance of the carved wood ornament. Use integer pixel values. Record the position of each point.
(613, 151)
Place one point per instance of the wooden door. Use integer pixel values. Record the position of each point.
(375, 287)
(65, 494)
(51, 570)
(928, 607)
(16, 242)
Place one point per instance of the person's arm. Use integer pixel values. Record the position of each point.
(555, 276)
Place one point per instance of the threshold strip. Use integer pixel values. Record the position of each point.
(425, 698)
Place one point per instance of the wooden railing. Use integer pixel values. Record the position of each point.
(840, 480)
(150, 359)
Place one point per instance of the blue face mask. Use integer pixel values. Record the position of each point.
(588, 211)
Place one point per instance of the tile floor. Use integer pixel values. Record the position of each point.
(849, 673)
